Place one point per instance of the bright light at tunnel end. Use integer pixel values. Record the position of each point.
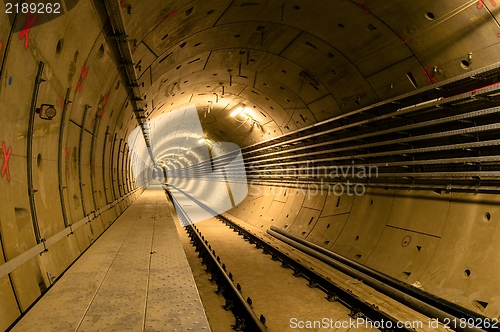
(204, 178)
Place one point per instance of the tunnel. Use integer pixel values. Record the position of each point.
(362, 130)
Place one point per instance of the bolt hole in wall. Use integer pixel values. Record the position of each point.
(487, 216)
(467, 273)
(465, 64)
(76, 200)
(429, 16)
(39, 161)
(100, 53)
(59, 46)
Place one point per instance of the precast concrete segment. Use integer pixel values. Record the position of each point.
(135, 277)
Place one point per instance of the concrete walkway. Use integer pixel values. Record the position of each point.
(135, 277)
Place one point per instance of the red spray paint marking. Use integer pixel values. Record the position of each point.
(27, 27)
(123, 3)
(363, 7)
(429, 78)
(103, 103)
(6, 157)
(84, 73)
(105, 100)
(480, 4)
(401, 39)
(161, 19)
(60, 101)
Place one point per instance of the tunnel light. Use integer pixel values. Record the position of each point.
(248, 112)
(237, 109)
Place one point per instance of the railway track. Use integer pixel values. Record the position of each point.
(454, 317)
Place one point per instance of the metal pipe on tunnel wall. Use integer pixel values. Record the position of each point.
(29, 152)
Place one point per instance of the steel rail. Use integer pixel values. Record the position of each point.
(246, 319)
(374, 279)
(359, 307)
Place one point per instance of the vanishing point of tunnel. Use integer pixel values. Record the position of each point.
(249, 165)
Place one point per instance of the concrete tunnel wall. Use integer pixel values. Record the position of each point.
(436, 241)
(445, 242)
(95, 179)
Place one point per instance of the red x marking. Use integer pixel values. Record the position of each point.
(27, 27)
(6, 157)
(480, 3)
(430, 79)
(84, 73)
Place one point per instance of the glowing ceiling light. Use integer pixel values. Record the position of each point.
(236, 111)
(248, 112)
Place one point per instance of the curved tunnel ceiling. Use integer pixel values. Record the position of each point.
(297, 64)
(410, 87)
